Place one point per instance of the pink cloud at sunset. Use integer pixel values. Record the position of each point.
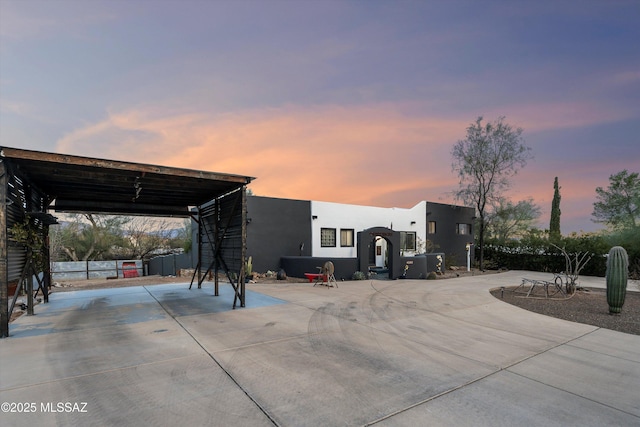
(334, 154)
(370, 155)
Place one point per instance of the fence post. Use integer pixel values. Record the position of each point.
(29, 279)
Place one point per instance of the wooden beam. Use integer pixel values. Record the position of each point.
(74, 206)
(64, 159)
(120, 208)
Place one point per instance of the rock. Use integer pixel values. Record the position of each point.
(186, 272)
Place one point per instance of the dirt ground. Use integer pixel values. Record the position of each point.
(588, 305)
(78, 285)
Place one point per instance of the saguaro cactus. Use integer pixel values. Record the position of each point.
(617, 275)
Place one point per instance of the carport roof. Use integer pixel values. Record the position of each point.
(83, 184)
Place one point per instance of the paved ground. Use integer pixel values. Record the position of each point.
(388, 353)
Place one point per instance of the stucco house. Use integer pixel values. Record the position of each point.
(297, 235)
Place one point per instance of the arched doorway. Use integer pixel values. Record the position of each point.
(379, 252)
(388, 242)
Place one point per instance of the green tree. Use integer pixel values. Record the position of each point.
(554, 223)
(507, 220)
(485, 161)
(98, 237)
(29, 234)
(618, 206)
(88, 237)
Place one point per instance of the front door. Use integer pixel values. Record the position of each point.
(381, 252)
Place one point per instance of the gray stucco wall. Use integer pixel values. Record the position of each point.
(297, 266)
(168, 265)
(276, 228)
(421, 265)
(447, 217)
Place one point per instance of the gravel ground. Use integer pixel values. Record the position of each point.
(79, 285)
(587, 306)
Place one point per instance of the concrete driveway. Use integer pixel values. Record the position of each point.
(385, 353)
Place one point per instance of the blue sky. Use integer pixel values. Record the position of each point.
(344, 101)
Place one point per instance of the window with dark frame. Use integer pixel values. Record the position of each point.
(463, 229)
(408, 240)
(346, 237)
(328, 237)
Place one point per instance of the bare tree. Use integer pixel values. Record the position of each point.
(485, 161)
(574, 263)
(56, 252)
(184, 238)
(146, 236)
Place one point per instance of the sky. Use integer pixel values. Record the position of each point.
(356, 102)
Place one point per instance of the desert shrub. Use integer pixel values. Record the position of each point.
(358, 275)
(629, 239)
(452, 258)
(536, 253)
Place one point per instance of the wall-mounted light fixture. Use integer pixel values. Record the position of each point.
(314, 217)
(413, 223)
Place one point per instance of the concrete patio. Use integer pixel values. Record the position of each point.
(385, 353)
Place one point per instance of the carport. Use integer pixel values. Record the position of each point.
(32, 183)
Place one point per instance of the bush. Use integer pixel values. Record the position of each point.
(452, 258)
(432, 275)
(628, 239)
(536, 253)
(358, 275)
